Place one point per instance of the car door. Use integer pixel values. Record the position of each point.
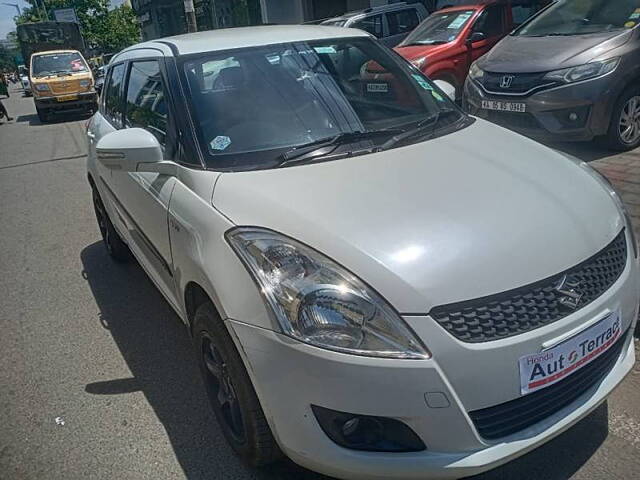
(399, 24)
(491, 23)
(143, 197)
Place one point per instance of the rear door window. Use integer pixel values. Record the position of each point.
(146, 105)
(372, 24)
(113, 104)
(402, 21)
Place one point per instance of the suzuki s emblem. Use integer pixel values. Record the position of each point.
(568, 289)
(506, 81)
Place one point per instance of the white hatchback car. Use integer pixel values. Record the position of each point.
(377, 284)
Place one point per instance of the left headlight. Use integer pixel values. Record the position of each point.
(583, 72)
(85, 83)
(41, 87)
(319, 302)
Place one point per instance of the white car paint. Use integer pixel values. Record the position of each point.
(465, 215)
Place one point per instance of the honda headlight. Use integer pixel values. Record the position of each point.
(320, 303)
(475, 72)
(42, 87)
(583, 72)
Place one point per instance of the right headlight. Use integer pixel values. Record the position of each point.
(475, 72)
(319, 302)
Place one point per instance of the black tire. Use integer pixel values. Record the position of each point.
(43, 115)
(230, 391)
(614, 138)
(117, 249)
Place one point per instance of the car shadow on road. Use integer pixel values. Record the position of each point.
(33, 120)
(157, 349)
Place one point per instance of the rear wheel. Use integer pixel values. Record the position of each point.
(624, 130)
(116, 247)
(230, 391)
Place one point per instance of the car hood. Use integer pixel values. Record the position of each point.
(451, 219)
(415, 52)
(542, 54)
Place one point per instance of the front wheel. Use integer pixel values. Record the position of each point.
(230, 391)
(116, 247)
(624, 130)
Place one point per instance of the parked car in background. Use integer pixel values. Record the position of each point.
(99, 76)
(388, 23)
(570, 73)
(445, 44)
(26, 85)
(377, 284)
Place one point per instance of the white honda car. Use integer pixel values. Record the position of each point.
(377, 284)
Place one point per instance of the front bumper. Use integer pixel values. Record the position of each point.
(85, 101)
(547, 111)
(290, 376)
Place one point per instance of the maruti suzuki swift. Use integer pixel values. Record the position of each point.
(377, 284)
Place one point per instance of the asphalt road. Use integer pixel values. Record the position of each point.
(94, 343)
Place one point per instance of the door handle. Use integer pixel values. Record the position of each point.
(92, 136)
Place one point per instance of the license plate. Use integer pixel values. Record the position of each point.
(66, 98)
(504, 106)
(540, 370)
(377, 87)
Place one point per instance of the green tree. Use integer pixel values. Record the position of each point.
(103, 29)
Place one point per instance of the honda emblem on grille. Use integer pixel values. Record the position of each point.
(568, 289)
(506, 81)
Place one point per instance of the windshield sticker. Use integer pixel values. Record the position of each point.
(634, 15)
(630, 24)
(220, 143)
(324, 49)
(427, 86)
(459, 21)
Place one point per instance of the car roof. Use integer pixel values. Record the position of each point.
(471, 6)
(372, 10)
(230, 38)
(48, 52)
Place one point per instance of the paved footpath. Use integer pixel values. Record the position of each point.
(93, 342)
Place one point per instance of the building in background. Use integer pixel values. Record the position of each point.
(161, 18)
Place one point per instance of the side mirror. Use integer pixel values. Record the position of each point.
(476, 37)
(133, 150)
(448, 89)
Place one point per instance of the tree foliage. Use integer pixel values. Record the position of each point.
(104, 30)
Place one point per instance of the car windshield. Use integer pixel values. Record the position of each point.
(439, 28)
(582, 17)
(251, 105)
(54, 63)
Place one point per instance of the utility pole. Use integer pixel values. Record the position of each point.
(190, 15)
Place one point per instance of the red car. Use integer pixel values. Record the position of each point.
(446, 44)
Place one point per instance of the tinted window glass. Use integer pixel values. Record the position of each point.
(248, 105)
(403, 21)
(373, 25)
(113, 96)
(582, 17)
(490, 22)
(146, 101)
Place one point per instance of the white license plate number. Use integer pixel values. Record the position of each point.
(504, 106)
(377, 87)
(540, 370)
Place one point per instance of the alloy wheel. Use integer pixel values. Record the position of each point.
(101, 216)
(221, 390)
(629, 125)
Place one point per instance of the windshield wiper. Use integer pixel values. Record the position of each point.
(424, 44)
(429, 122)
(325, 146)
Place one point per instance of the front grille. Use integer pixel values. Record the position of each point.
(516, 415)
(533, 306)
(521, 83)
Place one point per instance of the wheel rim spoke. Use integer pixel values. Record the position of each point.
(629, 124)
